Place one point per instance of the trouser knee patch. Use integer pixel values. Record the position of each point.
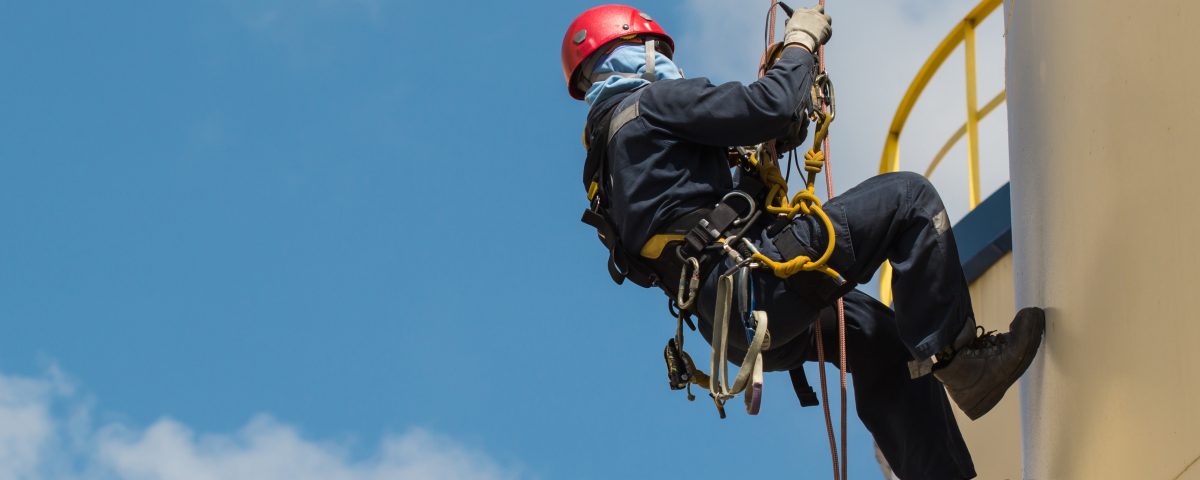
(941, 222)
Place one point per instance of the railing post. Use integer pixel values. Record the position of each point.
(972, 119)
(964, 32)
(890, 162)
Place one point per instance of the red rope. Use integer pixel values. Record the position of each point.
(833, 451)
(841, 306)
(842, 461)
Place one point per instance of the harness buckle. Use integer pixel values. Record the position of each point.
(751, 206)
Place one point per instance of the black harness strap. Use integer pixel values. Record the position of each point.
(719, 221)
(617, 268)
(804, 391)
(601, 128)
(815, 287)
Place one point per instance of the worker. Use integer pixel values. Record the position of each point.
(658, 162)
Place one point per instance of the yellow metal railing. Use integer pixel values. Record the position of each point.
(964, 33)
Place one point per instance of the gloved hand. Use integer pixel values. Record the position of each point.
(808, 27)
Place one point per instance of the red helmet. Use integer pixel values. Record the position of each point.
(596, 28)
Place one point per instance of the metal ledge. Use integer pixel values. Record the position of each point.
(984, 236)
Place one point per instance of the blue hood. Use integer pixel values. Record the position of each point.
(628, 59)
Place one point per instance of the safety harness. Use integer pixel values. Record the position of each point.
(677, 258)
(693, 244)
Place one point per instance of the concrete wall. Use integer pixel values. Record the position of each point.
(995, 439)
(1104, 135)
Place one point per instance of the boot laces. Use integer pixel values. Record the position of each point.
(986, 342)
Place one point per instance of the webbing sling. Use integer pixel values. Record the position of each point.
(750, 373)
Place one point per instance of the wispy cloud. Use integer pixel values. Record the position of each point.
(46, 432)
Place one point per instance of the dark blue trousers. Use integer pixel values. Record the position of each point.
(897, 217)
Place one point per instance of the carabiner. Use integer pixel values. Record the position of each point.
(823, 93)
(685, 297)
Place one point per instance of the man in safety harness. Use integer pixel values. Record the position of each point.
(676, 203)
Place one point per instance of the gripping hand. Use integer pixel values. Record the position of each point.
(809, 28)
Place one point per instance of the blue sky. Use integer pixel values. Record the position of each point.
(342, 236)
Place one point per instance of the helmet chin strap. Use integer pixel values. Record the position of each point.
(649, 75)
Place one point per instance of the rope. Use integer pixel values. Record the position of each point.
(841, 304)
(833, 451)
(806, 202)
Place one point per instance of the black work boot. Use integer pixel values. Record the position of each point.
(980, 367)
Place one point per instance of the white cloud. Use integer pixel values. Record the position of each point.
(876, 50)
(25, 424)
(46, 432)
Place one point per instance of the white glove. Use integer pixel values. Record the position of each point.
(808, 27)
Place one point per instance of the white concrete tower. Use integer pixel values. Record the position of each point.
(1104, 135)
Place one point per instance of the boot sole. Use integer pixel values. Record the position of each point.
(989, 401)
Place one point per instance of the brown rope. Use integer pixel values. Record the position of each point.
(841, 473)
(841, 306)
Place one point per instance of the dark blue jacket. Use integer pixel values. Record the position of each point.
(672, 159)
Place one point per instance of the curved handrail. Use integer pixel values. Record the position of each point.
(983, 113)
(891, 152)
(964, 33)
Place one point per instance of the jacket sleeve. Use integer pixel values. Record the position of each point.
(732, 113)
